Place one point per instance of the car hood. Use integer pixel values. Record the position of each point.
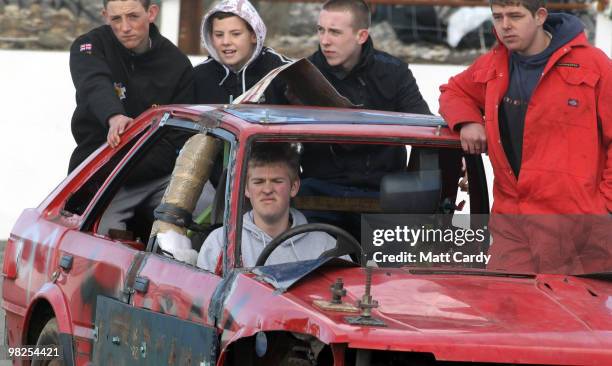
(549, 319)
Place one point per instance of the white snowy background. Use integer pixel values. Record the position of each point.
(37, 100)
(37, 97)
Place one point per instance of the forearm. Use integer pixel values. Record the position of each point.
(462, 100)
(93, 82)
(457, 107)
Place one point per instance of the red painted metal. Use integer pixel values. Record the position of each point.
(9, 267)
(543, 319)
(454, 317)
(188, 301)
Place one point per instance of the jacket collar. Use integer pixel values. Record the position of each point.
(579, 41)
(365, 59)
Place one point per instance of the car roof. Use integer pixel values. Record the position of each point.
(272, 121)
(291, 115)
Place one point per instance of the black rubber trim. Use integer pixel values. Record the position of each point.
(175, 215)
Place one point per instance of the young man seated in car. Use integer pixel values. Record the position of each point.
(272, 180)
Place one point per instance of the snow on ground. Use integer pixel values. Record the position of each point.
(35, 139)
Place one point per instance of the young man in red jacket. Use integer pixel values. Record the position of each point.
(540, 103)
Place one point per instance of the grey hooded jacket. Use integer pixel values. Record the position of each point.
(215, 83)
(298, 248)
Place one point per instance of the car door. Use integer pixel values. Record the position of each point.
(88, 265)
(167, 319)
(161, 314)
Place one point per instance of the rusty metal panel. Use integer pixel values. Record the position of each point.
(125, 335)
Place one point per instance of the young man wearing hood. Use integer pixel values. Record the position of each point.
(540, 103)
(272, 180)
(121, 69)
(233, 33)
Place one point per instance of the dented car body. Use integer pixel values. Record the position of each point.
(116, 300)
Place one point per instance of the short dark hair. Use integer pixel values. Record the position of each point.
(531, 5)
(224, 14)
(268, 153)
(359, 9)
(145, 3)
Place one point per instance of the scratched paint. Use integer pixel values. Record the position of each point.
(33, 236)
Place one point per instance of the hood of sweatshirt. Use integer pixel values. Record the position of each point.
(527, 69)
(563, 28)
(245, 10)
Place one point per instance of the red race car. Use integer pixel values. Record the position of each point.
(93, 293)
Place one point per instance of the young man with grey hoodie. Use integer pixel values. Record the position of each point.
(233, 33)
(272, 180)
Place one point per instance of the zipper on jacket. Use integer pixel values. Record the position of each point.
(547, 69)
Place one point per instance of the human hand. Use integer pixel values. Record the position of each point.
(473, 138)
(117, 125)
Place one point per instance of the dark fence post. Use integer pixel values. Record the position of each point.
(189, 26)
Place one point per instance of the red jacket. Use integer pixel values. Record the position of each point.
(567, 143)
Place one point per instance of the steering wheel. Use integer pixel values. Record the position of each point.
(345, 242)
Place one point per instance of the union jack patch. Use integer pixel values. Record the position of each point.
(86, 47)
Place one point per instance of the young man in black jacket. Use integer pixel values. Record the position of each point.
(370, 79)
(121, 69)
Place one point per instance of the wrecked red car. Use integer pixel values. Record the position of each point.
(115, 298)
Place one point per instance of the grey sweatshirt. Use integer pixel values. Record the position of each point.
(298, 248)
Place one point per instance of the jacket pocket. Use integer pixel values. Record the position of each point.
(576, 76)
(483, 75)
(563, 123)
(573, 100)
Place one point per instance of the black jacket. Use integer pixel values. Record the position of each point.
(378, 81)
(216, 84)
(110, 79)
